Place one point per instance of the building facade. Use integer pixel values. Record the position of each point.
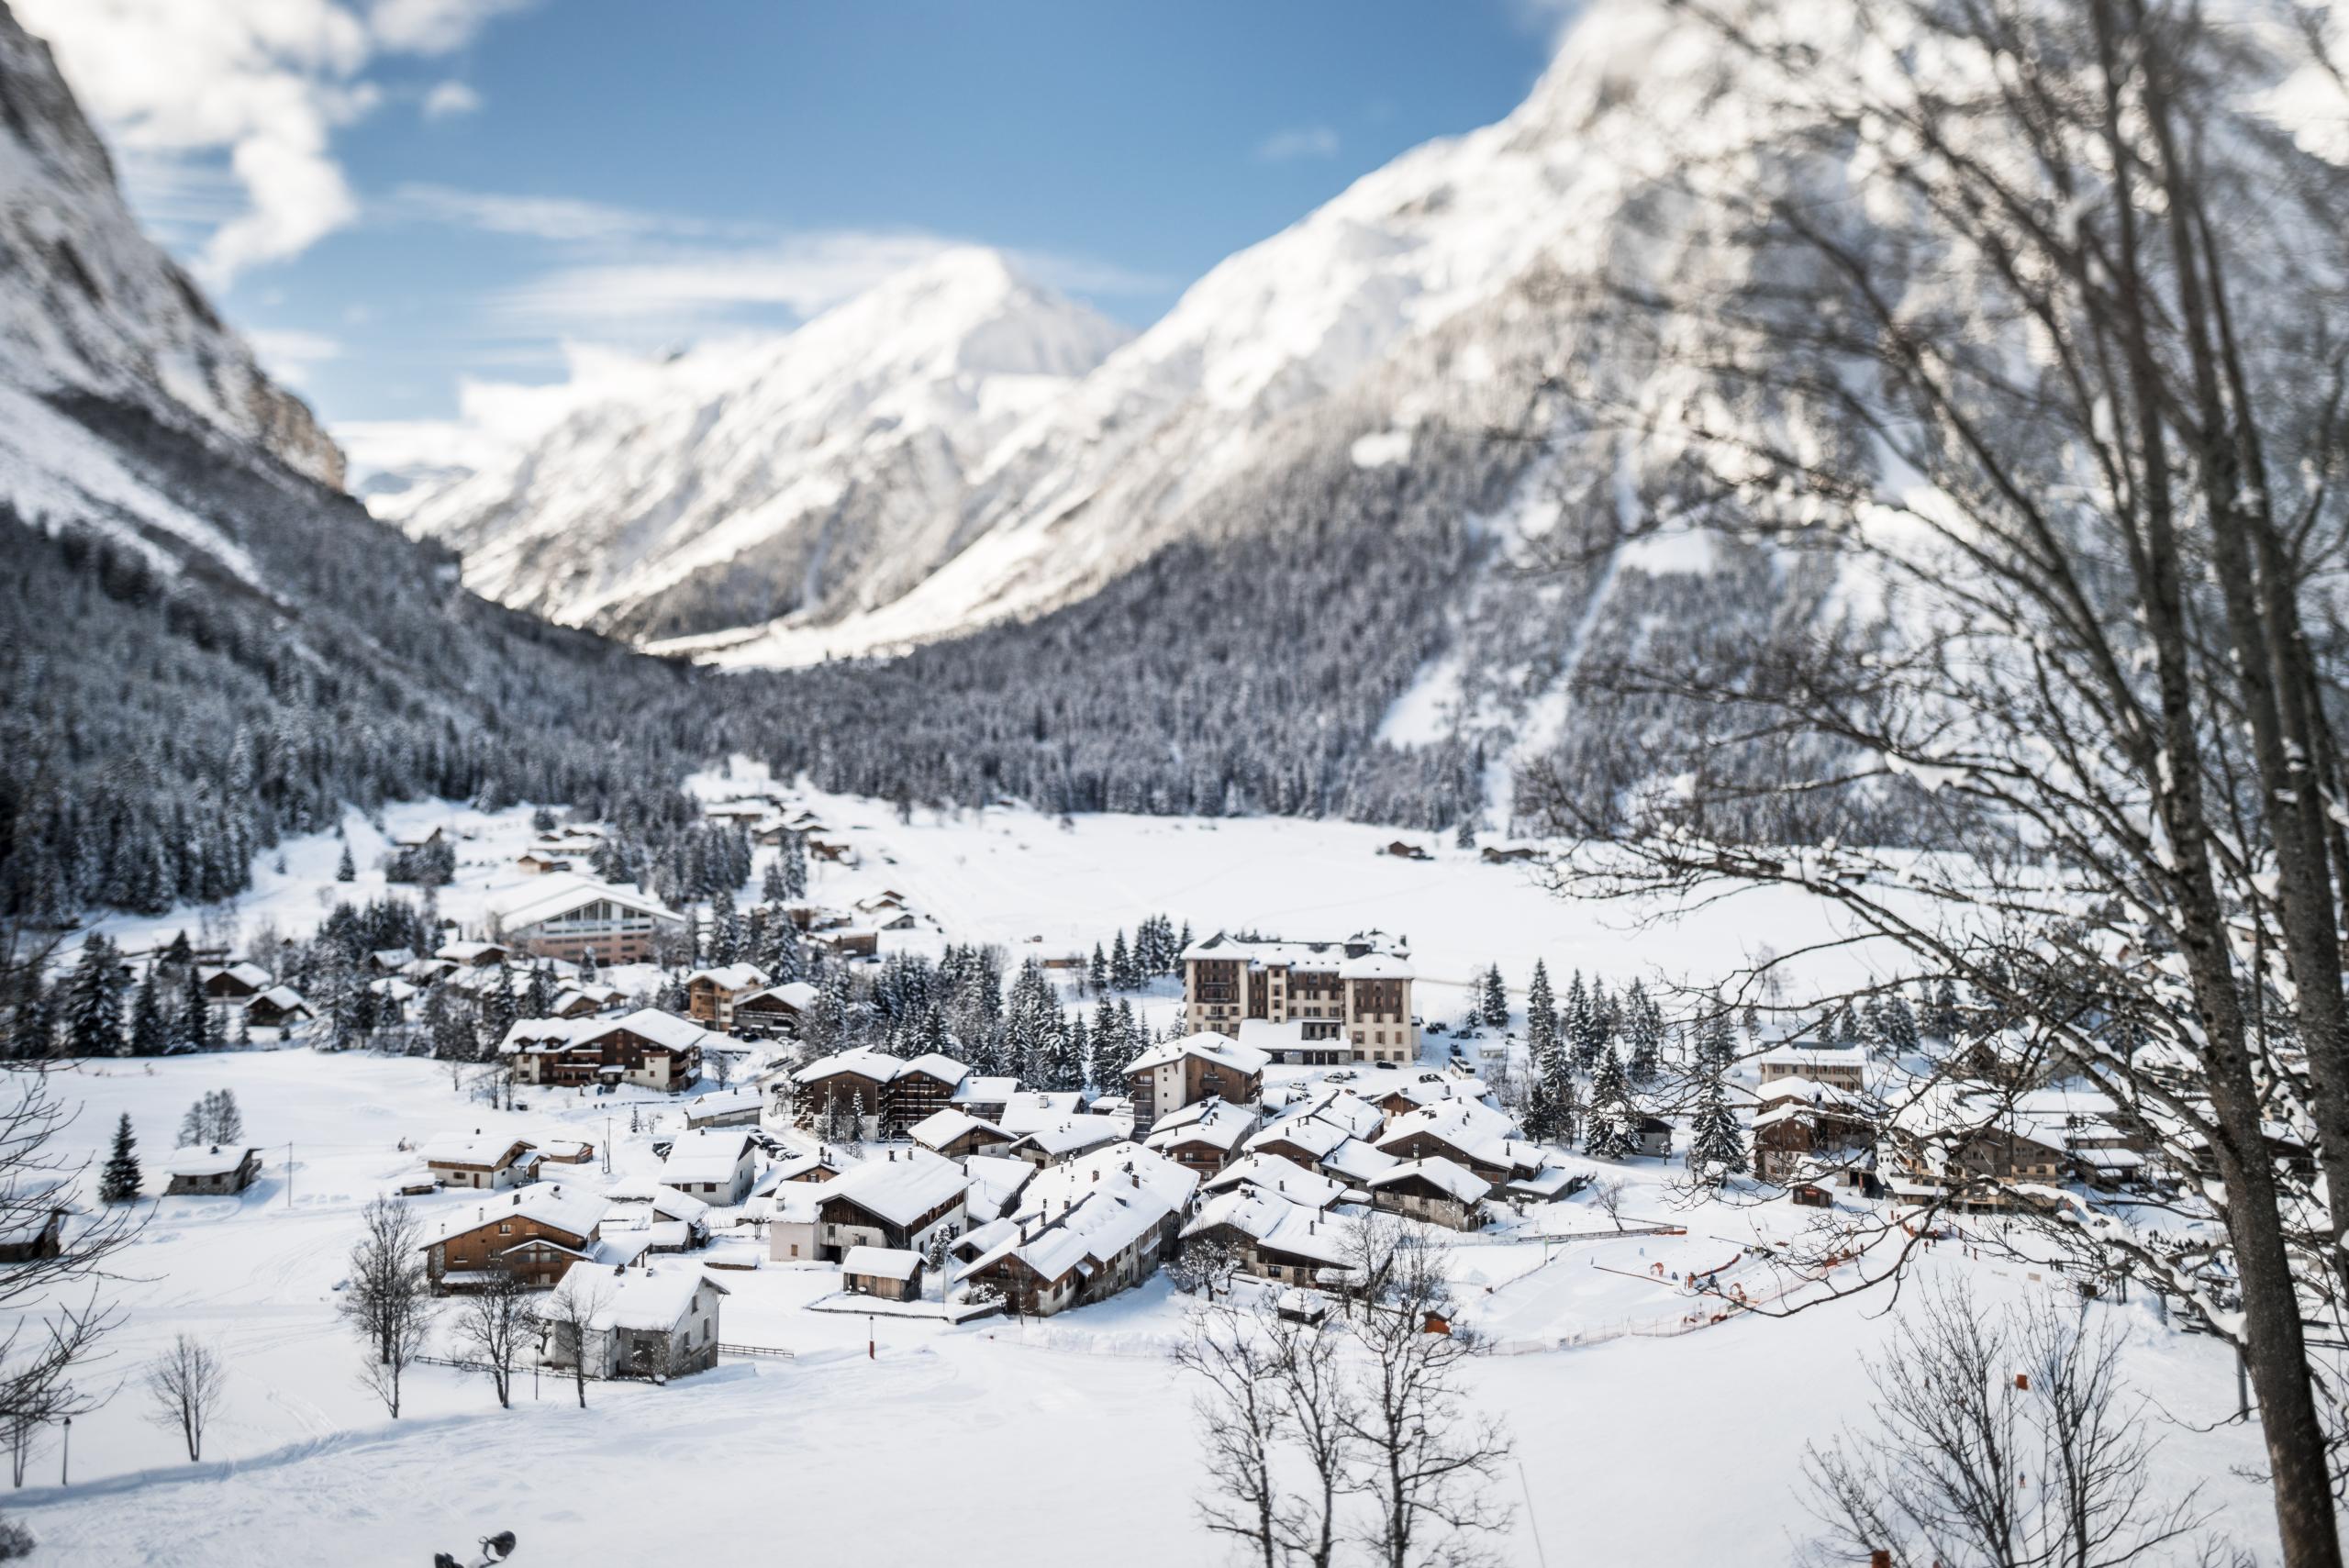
(1362, 985)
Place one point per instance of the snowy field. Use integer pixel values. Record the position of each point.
(1645, 1440)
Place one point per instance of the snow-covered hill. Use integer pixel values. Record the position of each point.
(822, 472)
(93, 306)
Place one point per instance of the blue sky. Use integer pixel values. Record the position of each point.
(435, 190)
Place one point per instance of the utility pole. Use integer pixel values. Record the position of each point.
(289, 1172)
(65, 1458)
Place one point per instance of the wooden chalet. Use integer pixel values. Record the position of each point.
(539, 1231)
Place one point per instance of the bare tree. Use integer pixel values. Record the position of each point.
(1207, 1264)
(572, 1315)
(1424, 1461)
(389, 1301)
(493, 1321)
(2065, 385)
(183, 1384)
(1321, 1404)
(1607, 1196)
(2007, 1439)
(1241, 1423)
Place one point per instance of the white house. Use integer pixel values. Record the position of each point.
(713, 1164)
(658, 1320)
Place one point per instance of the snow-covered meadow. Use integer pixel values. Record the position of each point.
(1649, 1440)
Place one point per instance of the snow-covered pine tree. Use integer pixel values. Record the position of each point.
(725, 944)
(93, 1001)
(774, 888)
(1643, 1026)
(1899, 1026)
(193, 1027)
(148, 1034)
(1541, 1021)
(345, 870)
(538, 996)
(1097, 972)
(1492, 1007)
(1123, 973)
(1716, 1142)
(1579, 1027)
(1610, 1129)
(119, 1178)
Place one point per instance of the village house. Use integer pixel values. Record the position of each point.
(1793, 1134)
(727, 1107)
(1082, 1231)
(987, 1097)
(955, 1134)
(774, 1012)
(655, 1320)
(1948, 1147)
(793, 1226)
(479, 1160)
(1204, 1136)
(850, 942)
(1269, 1236)
(390, 960)
(40, 1233)
(1068, 1139)
(710, 994)
(1284, 1178)
(1364, 985)
(1434, 1189)
(279, 1008)
(584, 1000)
(474, 955)
(233, 982)
(661, 1218)
(905, 1198)
(1467, 1132)
(1178, 1072)
(883, 1272)
(715, 1165)
(893, 1093)
(540, 861)
(1838, 1066)
(539, 1231)
(212, 1170)
(572, 917)
(648, 1048)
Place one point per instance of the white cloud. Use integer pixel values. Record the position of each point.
(560, 218)
(1304, 141)
(448, 100)
(432, 26)
(288, 352)
(690, 290)
(259, 86)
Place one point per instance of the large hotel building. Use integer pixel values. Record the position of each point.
(1318, 1003)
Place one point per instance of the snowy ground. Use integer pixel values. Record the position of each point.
(1674, 1448)
(1647, 1440)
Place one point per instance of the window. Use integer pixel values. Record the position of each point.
(504, 1229)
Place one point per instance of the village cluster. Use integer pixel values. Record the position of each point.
(1294, 1089)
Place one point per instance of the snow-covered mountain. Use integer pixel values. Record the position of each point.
(823, 473)
(703, 502)
(92, 306)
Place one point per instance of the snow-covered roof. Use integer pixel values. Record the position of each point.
(572, 1207)
(551, 896)
(1357, 1161)
(465, 952)
(881, 1262)
(1322, 957)
(705, 1154)
(479, 1147)
(1060, 1187)
(245, 974)
(1072, 1133)
(986, 1091)
(730, 976)
(1217, 1123)
(941, 1128)
(900, 1190)
(1376, 966)
(651, 1300)
(1025, 1110)
(1272, 1221)
(797, 995)
(997, 1181)
(1283, 1177)
(1471, 1126)
(862, 1061)
(937, 1065)
(663, 1200)
(1221, 1049)
(1797, 1088)
(1848, 1057)
(1447, 1176)
(543, 1034)
(660, 1027)
(1312, 1135)
(284, 998)
(205, 1159)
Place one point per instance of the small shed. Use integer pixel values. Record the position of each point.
(889, 1272)
(1811, 1195)
(1655, 1137)
(42, 1237)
